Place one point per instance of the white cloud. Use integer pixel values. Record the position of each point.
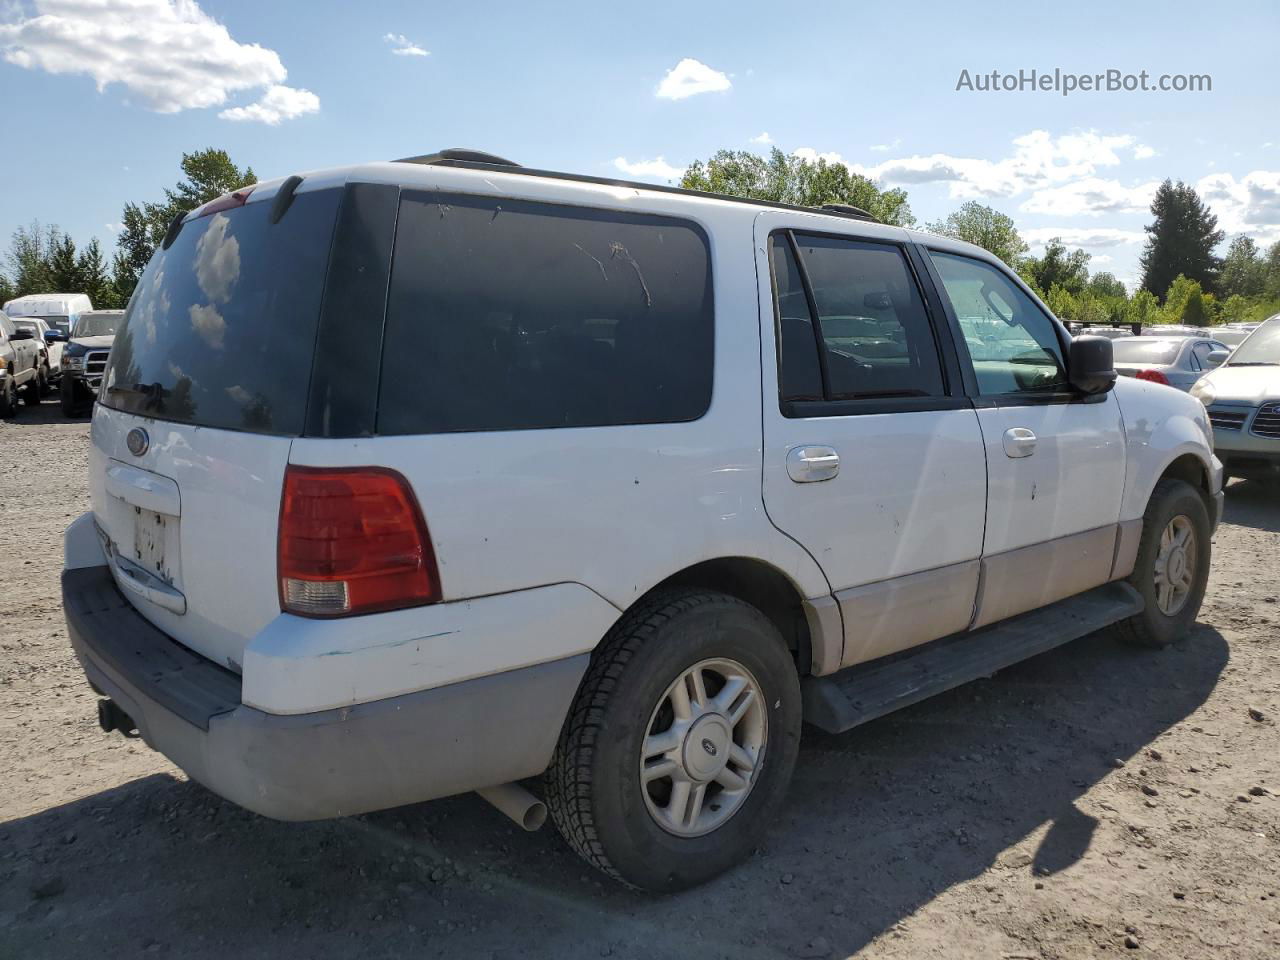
(208, 322)
(1090, 196)
(1143, 152)
(1249, 205)
(169, 55)
(813, 156)
(402, 46)
(217, 260)
(764, 139)
(886, 147)
(1038, 160)
(657, 168)
(690, 77)
(1089, 238)
(278, 103)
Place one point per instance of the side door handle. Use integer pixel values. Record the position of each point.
(1019, 442)
(811, 463)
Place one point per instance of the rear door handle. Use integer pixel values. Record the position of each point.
(811, 463)
(1019, 442)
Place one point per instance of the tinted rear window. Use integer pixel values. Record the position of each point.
(222, 327)
(510, 315)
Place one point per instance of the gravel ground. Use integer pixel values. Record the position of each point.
(1095, 801)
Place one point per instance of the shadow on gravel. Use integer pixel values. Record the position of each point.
(47, 411)
(1253, 503)
(881, 820)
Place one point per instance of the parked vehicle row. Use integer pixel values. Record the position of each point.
(20, 367)
(540, 475)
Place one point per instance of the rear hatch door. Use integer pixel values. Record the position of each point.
(206, 386)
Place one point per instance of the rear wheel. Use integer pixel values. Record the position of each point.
(1172, 568)
(680, 745)
(46, 382)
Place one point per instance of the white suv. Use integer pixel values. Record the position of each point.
(438, 475)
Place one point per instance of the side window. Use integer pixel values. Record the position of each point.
(1200, 354)
(799, 373)
(876, 337)
(1012, 342)
(507, 314)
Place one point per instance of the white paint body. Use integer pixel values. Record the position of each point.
(545, 537)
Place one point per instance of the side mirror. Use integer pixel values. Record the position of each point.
(54, 336)
(1216, 358)
(1090, 367)
(21, 335)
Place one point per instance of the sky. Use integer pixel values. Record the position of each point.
(100, 98)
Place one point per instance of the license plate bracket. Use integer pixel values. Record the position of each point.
(149, 537)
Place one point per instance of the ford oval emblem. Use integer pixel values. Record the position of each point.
(137, 441)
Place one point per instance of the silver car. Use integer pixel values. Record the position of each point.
(1178, 361)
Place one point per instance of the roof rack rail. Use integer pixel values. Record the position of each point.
(464, 154)
(849, 210)
(452, 158)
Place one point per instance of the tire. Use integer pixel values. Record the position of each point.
(31, 392)
(67, 398)
(1174, 506)
(8, 404)
(625, 702)
(46, 382)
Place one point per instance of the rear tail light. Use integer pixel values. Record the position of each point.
(228, 201)
(1153, 376)
(352, 540)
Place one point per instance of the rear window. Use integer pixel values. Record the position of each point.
(221, 329)
(512, 315)
(1145, 351)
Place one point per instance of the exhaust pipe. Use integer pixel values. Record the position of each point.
(518, 804)
(111, 717)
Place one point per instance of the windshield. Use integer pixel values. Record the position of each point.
(221, 329)
(1262, 347)
(1141, 350)
(98, 326)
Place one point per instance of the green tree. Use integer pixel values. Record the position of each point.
(789, 179)
(1180, 240)
(1106, 285)
(1271, 272)
(1062, 303)
(987, 228)
(1195, 312)
(1176, 297)
(207, 174)
(1243, 269)
(1143, 308)
(1235, 308)
(1058, 267)
(64, 267)
(92, 270)
(28, 258)
(6, 290)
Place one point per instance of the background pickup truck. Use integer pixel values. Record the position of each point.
(19, 367)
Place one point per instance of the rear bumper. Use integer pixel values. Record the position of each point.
(312, 766)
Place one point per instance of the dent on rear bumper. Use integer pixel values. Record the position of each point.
(296, 665)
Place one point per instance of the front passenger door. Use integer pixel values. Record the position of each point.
(1055, 459)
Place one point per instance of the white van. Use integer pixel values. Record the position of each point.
(59, 310)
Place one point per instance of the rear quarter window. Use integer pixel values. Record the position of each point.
(513, 315)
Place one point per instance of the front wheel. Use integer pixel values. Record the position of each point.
(680, 744)
(8, 404)
(1172, 568)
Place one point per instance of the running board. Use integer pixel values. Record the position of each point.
(841, 701)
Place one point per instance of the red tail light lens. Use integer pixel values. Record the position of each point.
(1154, 376)
(352, 540)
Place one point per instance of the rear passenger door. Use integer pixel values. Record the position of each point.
(873, 458)
(1055, 458)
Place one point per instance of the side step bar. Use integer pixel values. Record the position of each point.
(841, 701)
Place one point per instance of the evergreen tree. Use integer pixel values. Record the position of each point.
(92, 270)
(1271, 272)
(64, 268)
(1180, 240)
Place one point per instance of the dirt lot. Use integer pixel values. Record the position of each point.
(1092, 796)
